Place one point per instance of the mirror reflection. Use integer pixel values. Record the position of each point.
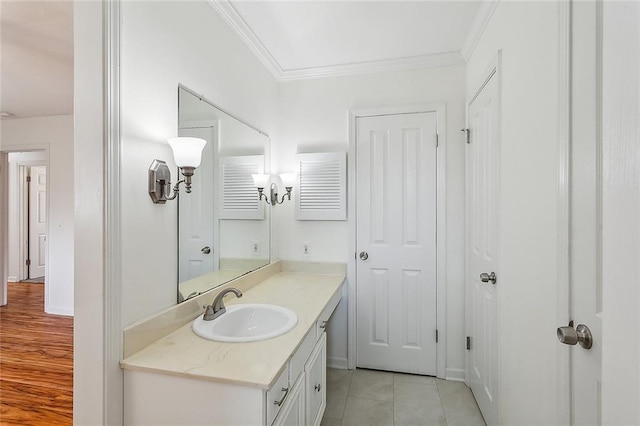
(223, 229)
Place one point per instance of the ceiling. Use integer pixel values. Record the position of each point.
(294, 39)
(311, 38)
(36, 42)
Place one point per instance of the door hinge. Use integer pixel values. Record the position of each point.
(468, 343)
(28, 262)
(28, 179)
(467, 133)
(436, 335)
(437, 140)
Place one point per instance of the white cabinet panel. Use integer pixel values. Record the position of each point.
(316, 382)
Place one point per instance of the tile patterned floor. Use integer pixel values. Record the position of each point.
(368, 397)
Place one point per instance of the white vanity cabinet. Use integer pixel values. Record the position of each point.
(306, 403)
(296, 397)
(182, 379)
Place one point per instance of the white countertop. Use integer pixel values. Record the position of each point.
(255, 364)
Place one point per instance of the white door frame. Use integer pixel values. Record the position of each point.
(441, 273)
(4, 213)
(23, 218)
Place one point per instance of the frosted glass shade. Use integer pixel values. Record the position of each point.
(260, 181)
(187, 152)
(288, 179)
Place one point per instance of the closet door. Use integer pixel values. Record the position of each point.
(396, 242)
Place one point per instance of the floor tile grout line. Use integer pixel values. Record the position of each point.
(444, 412)
(393, 393)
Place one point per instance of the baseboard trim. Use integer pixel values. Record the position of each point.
(12, 279)
(455, 374)
(56, 310)
(337, 362)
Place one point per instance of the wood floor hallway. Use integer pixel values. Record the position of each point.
(36, 360)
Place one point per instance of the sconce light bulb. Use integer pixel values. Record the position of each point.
(187, 152)
(260, 180)
(288, 179)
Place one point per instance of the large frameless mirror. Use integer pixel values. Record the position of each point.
(223, 229)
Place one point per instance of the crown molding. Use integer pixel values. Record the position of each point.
(480, 21)
(240, 27)
(229, 14)
(424, 61)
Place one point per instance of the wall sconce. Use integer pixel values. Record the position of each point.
(260, 181)
(187, 153)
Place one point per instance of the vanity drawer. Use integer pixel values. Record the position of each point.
(276, 395)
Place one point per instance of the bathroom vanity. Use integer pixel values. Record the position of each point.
(185, 379)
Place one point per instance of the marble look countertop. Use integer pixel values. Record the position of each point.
(255, 364)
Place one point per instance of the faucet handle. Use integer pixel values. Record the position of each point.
(208, 313)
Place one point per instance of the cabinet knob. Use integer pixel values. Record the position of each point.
(318, 387)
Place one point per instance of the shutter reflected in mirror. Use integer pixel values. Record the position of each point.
(238, 195)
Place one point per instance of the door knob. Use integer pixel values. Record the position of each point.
(206, 250)
(364, 255)
(485, 278)
(570, 336)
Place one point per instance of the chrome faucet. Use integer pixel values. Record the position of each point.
(217, 308)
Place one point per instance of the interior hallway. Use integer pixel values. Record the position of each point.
(36, 360)
(368, 397)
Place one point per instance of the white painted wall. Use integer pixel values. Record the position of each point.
(163, 44)
(15, 160)
(527, 33)
(56, 132)
(314, 117)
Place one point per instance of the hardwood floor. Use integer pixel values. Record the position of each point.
(36, 360)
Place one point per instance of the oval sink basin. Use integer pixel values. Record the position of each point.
(248, 322)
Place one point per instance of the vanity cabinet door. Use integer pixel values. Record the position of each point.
(292, 413)
(316, 381)
(278, 395)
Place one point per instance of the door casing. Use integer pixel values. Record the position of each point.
(441, 305)
(4, 216)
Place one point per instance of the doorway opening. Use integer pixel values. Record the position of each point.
(37, 347)
(27, 216)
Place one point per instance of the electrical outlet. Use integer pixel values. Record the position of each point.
(305, 249)
(255, 248)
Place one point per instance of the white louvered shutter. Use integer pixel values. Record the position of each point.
(322, 186)
(239, 196)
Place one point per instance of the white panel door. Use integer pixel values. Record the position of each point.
(198, 254)
(37, 221)
(586, 213)
(396, 242)
(482, 236)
